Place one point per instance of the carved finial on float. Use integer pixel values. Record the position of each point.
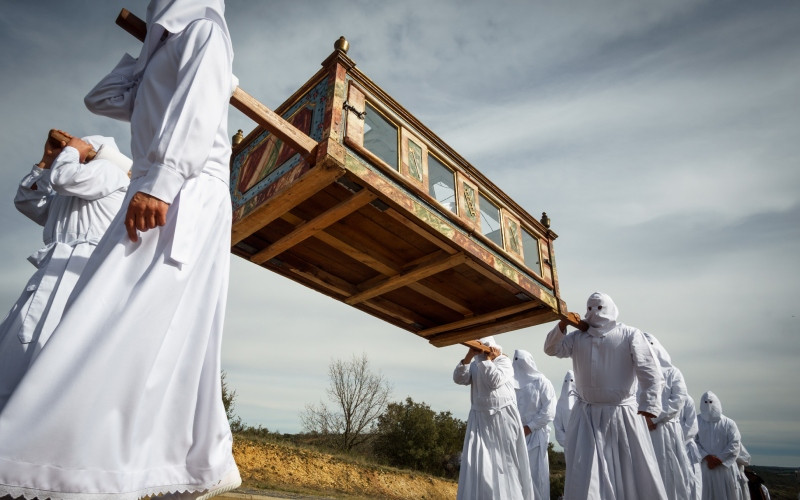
(545, 220)
(237, 138)
(342, 44)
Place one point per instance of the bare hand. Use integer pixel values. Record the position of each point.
(83, 147)
(527, 430)
(712, 461)
(493, 353)
(52, 149)
(144, 213)
(649, 417)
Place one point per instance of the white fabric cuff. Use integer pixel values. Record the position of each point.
(162, 182)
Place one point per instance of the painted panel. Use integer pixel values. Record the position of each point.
(468, 205)
(414, 156)
(512, 236)
(266, 159)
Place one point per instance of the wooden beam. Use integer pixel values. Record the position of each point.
(132, 24)
(403, 279)
(315, 180)
(479, 319)
(314, 226)
(241, 100)
(524, 320)
(440, 298)
(283, 130)
(394, 214)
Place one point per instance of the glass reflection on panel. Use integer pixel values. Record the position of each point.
(490, 221)
(530, 247)
(442, 183)
(380, 136)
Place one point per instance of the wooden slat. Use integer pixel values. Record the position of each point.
(314, 226)
(396, 311)
(446, 301)
(522, 321)
(394, 214)
(403, 279)
(383, 267)
(481, 318)
(307, 186)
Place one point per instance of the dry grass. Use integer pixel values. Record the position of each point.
(285, 467)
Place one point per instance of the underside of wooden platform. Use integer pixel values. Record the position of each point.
(356, 240)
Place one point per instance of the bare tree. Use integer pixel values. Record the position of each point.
(358, 396)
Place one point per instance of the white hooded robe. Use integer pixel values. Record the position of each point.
(536, 401)
(688, 420)
(668, 442)
(74, 202)
(566, 400)
(609, 452)
(718, 435)
(126, 394)
(494, 460)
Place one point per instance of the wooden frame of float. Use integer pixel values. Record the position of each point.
(335, 217)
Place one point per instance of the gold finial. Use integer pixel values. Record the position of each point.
(237, 138)
(342, 44)
(545, 220)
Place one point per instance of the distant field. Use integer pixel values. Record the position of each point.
(781, 482)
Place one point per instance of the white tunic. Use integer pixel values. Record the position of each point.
(609, 452)
(536, 401)
(688, 419)
(721, 439)
(75, 203)
(494, 460)
(126, 394)
(668, 442)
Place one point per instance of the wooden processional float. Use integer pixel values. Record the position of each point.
(344, 191)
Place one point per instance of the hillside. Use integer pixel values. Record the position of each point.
(285, 467)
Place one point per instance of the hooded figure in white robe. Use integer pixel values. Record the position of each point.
(688, 420)
(566, 400)
(74, 202)
(494, 460)
(667, 437)
(742, 461)
(126, 395)
(719, 442)
(536, 401)
(609, 454)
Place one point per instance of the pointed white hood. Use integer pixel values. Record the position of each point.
(175, 15)
(601, 314)
(710, 407)
(567, 397)
(525, 370)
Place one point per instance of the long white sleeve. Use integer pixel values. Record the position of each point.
(648, 374)
(113, 95)
(673, 401)
(496, 373)
(35, 203)
(558, 344)
(89, 181)
(461, 374)
(183, 121)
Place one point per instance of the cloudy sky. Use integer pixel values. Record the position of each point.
(662, 138)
